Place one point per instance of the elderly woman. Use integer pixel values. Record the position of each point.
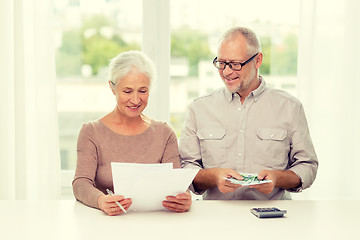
(124, 135)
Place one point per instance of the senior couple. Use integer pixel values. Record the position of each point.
(245, 127)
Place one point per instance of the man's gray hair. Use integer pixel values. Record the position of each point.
(125, 62)
(250, 36)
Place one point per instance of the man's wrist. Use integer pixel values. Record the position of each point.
(205, 179)
(286, 179)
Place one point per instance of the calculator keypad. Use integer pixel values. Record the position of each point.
(268, 212)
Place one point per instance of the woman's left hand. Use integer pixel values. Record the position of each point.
(178, 203)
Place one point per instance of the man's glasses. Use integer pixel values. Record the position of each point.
(236, 66)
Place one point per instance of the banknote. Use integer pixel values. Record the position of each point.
(249, 179)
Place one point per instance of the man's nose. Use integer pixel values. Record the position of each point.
(227, 70)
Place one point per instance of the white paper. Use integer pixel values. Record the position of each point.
(149, 184)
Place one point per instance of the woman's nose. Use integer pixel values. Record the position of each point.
(135, 99)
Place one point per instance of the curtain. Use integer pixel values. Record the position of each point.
(328, 84)
(30, 159)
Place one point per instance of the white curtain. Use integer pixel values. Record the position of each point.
(328, 84)
(30, 161)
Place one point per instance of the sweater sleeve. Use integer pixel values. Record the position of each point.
(171, 151)
(84, 188)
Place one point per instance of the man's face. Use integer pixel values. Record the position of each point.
(237, 81)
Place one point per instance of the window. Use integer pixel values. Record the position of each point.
(89, 33)
(196, 27)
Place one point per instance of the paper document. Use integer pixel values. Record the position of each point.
(149, 184)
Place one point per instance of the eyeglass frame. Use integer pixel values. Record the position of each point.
(231, 62)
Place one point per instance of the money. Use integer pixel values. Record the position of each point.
(249, 179)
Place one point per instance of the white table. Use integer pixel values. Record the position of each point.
(223, 220)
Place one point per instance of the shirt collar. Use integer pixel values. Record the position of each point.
(259, 91)
(255, 94)
(229, 95)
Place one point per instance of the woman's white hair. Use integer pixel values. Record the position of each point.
(125, 62)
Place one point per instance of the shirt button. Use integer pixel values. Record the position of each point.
(240, 155)
(239, 108)
(241, 131)
(272, 135)
(210, 135)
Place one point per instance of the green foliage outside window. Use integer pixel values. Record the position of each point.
(88, 45)
(191, 44)
(266, 50)
(286, 57)
(279, 59)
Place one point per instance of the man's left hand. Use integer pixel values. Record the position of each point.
(266, 187)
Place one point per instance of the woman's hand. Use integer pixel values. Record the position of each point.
(107, 204)
(178, 203)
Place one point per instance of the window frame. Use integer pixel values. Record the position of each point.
(155, 43)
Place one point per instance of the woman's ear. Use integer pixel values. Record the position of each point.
(112, 87)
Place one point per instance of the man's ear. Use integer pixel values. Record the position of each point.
(258, 60)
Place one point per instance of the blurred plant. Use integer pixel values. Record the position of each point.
(94, 44)
(191, 44)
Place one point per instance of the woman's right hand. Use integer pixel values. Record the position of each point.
(107, 204)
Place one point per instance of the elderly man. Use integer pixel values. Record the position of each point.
(246, 127)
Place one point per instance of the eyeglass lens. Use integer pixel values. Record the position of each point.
(221, 65)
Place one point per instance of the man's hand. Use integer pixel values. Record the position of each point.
(224, 185)
(178, 203)
(107, 204)
(266, 187)
(285, 179)
(215, 177)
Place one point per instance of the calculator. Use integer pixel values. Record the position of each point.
(270, 212)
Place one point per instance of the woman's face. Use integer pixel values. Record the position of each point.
(132, 94)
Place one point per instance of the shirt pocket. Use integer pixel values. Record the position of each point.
(272, 148)
(212, 144)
